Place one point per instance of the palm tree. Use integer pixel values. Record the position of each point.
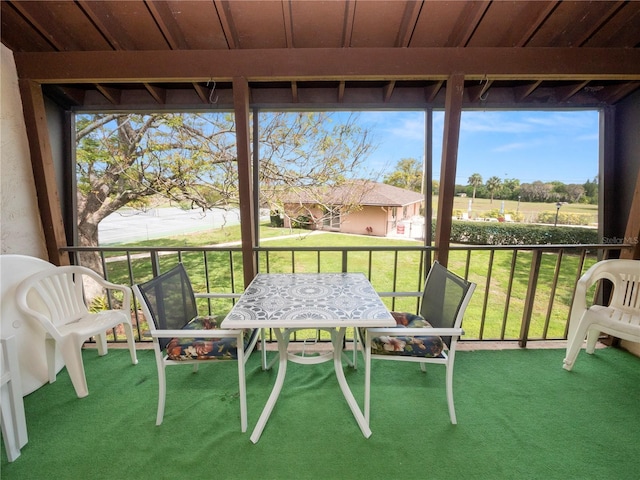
(492, 185)
(475, 181)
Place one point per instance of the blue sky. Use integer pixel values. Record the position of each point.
(524, 145)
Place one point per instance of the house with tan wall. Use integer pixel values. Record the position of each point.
(363, 207)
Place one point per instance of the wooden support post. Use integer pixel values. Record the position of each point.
(452, 116)
(632, 232)
(247, 215)
(44, 173)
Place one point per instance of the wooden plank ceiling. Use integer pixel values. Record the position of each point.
(337, 54)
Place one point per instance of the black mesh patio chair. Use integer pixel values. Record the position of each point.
(181, 336)
(430, 337)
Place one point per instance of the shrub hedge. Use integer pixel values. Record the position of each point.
(494, 233)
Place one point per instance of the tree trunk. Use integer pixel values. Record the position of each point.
(88, 237)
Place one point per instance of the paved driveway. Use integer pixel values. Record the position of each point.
(132, 225)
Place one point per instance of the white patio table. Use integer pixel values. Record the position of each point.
(292, 301)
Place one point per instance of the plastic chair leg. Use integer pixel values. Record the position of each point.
(128, 330)
(9, 434)
(50, 352)
(72, 355)
(12, 416)
(101, 343)
(592, 339)
(575, 344)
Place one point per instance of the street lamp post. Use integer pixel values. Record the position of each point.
(558, 205)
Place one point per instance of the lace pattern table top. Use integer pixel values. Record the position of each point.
(309, 300)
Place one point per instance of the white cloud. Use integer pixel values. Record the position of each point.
(508, 147)
(409, 128)
(492, 122)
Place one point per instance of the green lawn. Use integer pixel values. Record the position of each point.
(529, 210)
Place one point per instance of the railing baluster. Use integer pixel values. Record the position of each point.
(534, 273)
(205, 261)
(467, 265)
(552, 295)
(395, 278)
(155, 263)
(583, 255)
(487, 289)
(422, 276)
(512, 271)
(232, 273)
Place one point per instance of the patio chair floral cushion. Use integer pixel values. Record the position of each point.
(418, 346)
(204, 348)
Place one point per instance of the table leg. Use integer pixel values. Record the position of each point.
(283, 340)
(336, 339)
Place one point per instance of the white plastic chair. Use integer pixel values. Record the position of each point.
(620, 318)
(181, 337)
(12, 418)
(444, 301)
(55, 299)
(13, 322)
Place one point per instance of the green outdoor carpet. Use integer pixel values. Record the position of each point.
(520, 416)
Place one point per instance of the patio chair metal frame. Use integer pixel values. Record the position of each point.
(163, 331)
(446, 323)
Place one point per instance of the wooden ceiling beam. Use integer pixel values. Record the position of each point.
(226, 23)
(408, 25)
(565, 93)
(535, 24)
(341, 88)
(431, 92)
(166, 22)
(72, 96)
(112, 94)
(387, 91)
(614, 7)
(525, 90)
(116, 36)
(615, 93)
(41, 29)
(347, 29)
(332, 64)
(202, 92)
(158, 94)
(288, 23)
(469, 19)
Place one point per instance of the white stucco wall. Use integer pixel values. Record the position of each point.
(20, 227)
